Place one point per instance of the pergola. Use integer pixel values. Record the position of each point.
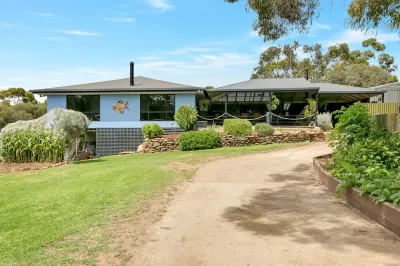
(288, 90)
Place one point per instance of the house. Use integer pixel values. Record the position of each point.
(119, 108)
(392, 94)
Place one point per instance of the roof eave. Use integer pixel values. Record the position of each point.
(64, 91)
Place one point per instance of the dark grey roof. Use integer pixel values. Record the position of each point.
(330, 88)
(272, 84)
(142, 84)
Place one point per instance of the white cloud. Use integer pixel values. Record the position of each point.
(125, 20)
(186, 50)
(160, 4)
(80, 33)
(44, 14)
(321, 26)
(148, 58)
(352, 36)
(206, 62)
(8, 25)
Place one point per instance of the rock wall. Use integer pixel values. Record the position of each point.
(170, 144)
(159, 145)
(232, 141)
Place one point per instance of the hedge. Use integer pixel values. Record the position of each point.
(199, 140)
(237, 127)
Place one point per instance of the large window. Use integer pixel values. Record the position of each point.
(87, 104)
(157, 107)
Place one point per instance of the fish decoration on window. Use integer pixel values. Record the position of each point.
(120, 107)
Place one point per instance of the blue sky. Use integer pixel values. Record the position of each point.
(47, 43)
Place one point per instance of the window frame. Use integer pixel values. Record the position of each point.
(92, 115)
(165, 112)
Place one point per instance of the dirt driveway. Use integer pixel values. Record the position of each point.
(265, 209)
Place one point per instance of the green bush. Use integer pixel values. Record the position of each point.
(365, 156)
(32, 145)
(152, 131)
(264, 129)
(198, 140)
(237, 127)
(186, 117)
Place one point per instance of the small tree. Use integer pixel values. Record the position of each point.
(310, 108)
(186, 117)
(273, 104)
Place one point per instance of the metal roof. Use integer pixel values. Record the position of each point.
(330, 88)
(270, 85)
(388, 87)
(142, 84)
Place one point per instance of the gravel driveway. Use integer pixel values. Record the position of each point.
(265, 209)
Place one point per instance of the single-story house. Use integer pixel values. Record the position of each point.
(119, 108)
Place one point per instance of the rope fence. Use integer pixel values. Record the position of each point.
(281, 117)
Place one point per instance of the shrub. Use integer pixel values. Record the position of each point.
(237, 127)
(198, 140)
(264, 129)
(152, 131)
(324, 121)
(186, 117)
(32, 145)
(365, 156)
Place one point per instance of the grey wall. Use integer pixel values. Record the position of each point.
(54, 101)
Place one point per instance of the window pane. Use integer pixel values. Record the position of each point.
(144, 103)
(87, 104)
(157, 107)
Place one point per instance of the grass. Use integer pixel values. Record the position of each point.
(40, 208)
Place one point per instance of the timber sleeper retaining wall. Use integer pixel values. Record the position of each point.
(385, 214)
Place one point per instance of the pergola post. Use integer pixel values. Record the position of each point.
(269, 114)
(226, 105)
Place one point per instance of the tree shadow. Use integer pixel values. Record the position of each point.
(299, 208)
(89, 161)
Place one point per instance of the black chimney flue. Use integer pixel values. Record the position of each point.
(306, 76)
(132, 83)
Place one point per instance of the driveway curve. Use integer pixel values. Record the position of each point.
(265, 209)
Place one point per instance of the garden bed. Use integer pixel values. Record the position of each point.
(13, 167)
(385, 214)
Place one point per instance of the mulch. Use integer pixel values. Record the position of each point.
(14, 167)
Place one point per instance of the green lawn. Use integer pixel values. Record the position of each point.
(40, 208)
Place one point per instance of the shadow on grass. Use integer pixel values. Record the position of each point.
(97, 160)
(297, 209)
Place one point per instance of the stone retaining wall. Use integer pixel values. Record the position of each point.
(232, 141)
(385, 214)
(170, 144)
(159, 145)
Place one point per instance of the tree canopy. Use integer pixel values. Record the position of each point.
(17, 95)
(277, 18)
(339, 65)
